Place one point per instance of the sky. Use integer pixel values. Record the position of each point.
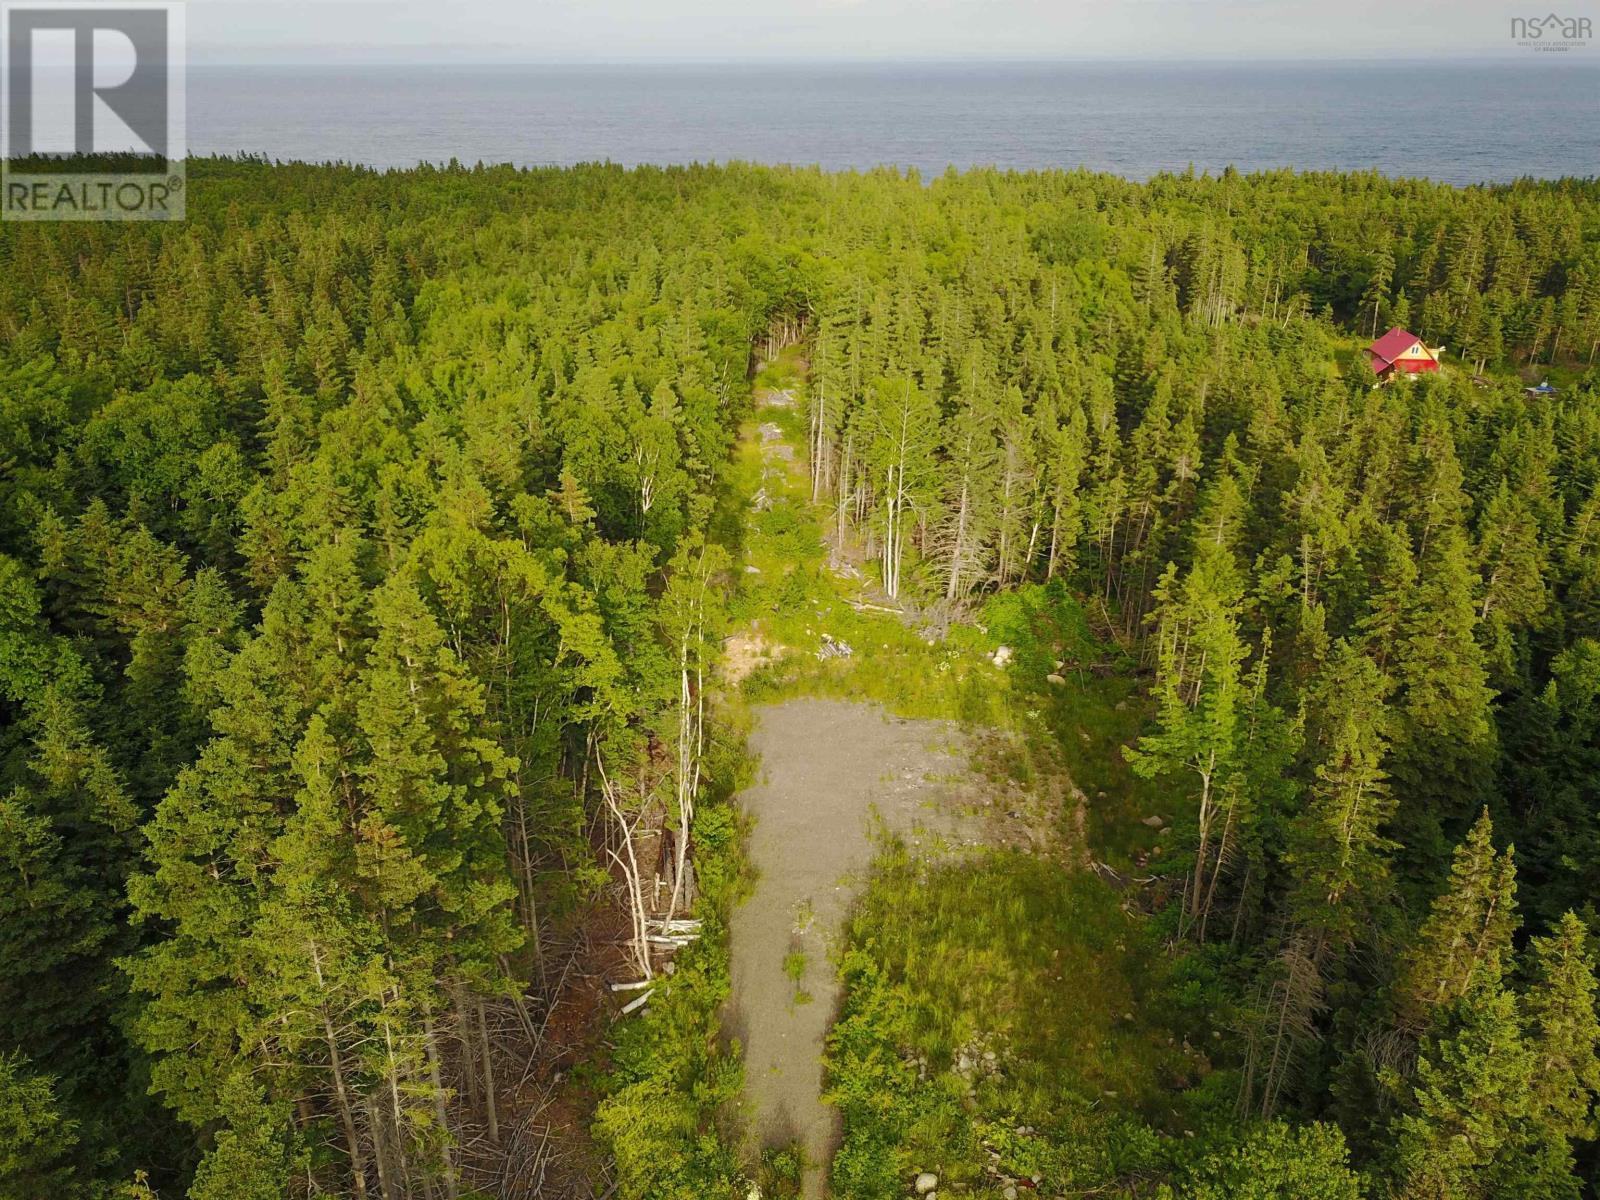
(664, 31)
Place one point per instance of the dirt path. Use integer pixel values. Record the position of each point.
(832, 771)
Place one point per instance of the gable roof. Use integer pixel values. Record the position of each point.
(1393, 344)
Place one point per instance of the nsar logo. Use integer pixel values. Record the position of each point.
(1552, 32)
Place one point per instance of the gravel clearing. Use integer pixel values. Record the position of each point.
(834, 774)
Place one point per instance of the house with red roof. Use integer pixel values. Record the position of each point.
(1401, 352)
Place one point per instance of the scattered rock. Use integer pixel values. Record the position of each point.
(926, 1182)
(1060, 662)
(1122, 706)
(1057, 680)
(1166, 831)
(751, 569)
(1001, 656)
(1010, 1193)
(1154, 822)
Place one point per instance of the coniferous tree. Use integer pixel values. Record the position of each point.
(1465, 942)
(1468, 1101)
(1338, 852)
(1445, 738)
(1564, 1035)
(36, 1140)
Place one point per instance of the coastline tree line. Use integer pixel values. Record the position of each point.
(357, 588)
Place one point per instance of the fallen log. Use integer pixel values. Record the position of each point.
(863, 606)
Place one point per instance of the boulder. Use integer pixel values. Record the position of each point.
(1057, 680)
(926, 1182)
(1154, 822)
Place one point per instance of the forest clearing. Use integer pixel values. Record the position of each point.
(834, 780)
(835, 777)
(850, 802)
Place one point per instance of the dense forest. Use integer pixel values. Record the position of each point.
(365, 549)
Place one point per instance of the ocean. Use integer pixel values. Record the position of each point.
(1459, 122)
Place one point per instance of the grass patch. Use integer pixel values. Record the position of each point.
(794, 969)
(1002, 1021)
(1098, 709)
(781, 1172)
(785, 371)
(1005, 1018)
(794, 965)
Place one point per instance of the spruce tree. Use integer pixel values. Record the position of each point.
(1564, 1034)
(1465, 943)
(1445, 738)
(1468, 1101)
